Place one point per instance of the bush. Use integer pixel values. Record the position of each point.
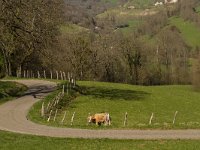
(11, 89)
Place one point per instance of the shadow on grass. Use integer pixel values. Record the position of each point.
(114, 94)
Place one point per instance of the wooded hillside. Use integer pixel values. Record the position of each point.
(102, 40)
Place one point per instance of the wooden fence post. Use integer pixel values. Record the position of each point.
(54, 119)
(72, 119)
(125, 119)
(49, 116)
(44, 74)
(175, 117)
(63, 90)
(151, 118)
(55, 102)
(67, 88)
(42, 110)
(64, 117)
(61, 75)
(48, 106)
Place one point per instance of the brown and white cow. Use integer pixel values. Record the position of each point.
(100, 118)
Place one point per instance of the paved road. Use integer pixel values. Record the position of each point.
(13, 118)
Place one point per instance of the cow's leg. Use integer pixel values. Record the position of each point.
(105, 123)
(109, 122)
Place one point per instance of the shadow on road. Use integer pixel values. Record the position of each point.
(37, 91)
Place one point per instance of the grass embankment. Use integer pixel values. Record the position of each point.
(35, 111)
(189, 31)
(139, 101)
(15, 141)
(9, 90)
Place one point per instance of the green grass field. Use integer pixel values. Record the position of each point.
(72, 29)
(102, 92)
(189, 31)
(111, 1)
(198, 9)
(133, 24)
(136, 3)
(13, 141)
(140, 3)
(9, 90)
(139, 101)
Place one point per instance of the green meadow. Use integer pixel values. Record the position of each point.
(98, 94)
(72, 29)
(15, 141)
(141, 3)
(138, 101)
(189, 31)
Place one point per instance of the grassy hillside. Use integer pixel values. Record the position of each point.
(139, 101)
(130, 17)
(15, 141)
(136, 3)
(28, 142)
(111, 1)
(133, 24)
(141, 3)
(72, 28)
(8, 90)
(198, 9)
(189, 31)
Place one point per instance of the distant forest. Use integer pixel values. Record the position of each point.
(102, 40)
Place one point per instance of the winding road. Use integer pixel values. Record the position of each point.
(13, 118)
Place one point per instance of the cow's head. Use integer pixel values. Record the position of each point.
(91, 119)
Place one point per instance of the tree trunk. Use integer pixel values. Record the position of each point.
(5, 63)
(9, 68)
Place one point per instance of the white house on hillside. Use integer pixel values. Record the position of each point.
(170, 1)
(158, 4)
